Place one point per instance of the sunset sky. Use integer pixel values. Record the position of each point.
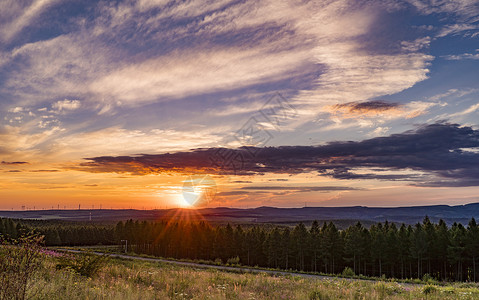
(262, 103)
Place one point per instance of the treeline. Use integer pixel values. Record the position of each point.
(59, 233)
(405, 251)
(383, 249)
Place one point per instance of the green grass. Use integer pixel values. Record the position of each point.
(132, 279)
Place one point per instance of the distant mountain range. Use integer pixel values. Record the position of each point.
(409, 215)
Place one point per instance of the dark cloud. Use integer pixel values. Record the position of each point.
(345, 173)
(369, 106)
(232, 193)
(437, 151)
(300, 188)
(14, 162)
(54, 187)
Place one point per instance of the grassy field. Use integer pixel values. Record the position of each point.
(131, 279)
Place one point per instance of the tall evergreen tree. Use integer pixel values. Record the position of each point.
(472, 244)
(456, 248)
(442, 243)
(378, 246)
(314, 244)
(419, 247)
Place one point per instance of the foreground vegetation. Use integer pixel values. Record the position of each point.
(126, 279)
(29, 271)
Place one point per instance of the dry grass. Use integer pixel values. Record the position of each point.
(125, 279)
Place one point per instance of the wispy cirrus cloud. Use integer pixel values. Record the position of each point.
(268, 43)
(467, 29)
(463, 56)
(462, 16)
(19, 143)
(196, 72)
(124, 141)
(462, 8)
(60, 67)
(16, 15)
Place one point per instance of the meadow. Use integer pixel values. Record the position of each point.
(28, 270)
(132, 279)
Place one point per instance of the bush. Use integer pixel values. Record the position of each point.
(348, 272)
(385, 290)
(85, 264)
(19, 260)
(429, 289)
(428, 279)
(234, 261)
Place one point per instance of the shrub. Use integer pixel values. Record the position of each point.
(348, 272)
(429, 289)
(85, 264)
(429, 279)
(384, 289)
(19, 260)
(234, 261)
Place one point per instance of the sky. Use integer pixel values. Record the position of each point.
(159, 104)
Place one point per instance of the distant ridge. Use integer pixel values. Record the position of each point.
(409, 215)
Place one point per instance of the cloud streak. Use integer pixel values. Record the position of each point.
(199, 71)
(22, 16)
(374, 107)
(303, 189)
(473, 56)
(14, 162)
